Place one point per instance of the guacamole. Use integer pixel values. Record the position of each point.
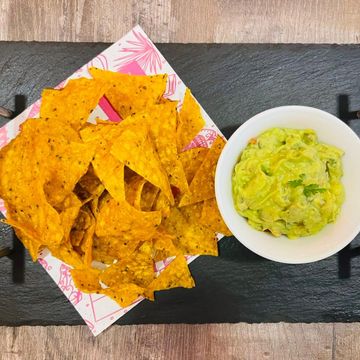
(286, 182)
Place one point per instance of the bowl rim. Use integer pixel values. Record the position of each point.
(220, 198)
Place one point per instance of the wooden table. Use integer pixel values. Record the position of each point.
(286, 21)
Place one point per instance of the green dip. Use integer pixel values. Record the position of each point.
(286, 182)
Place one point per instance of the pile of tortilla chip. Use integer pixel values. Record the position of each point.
(112, 199)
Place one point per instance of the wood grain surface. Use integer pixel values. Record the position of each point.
(279, 341)
(237, 341)
(184, 21)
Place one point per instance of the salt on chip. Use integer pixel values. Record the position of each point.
(136, 150)
(73, 104)
(190, 121)
(176, 274)
(86, 279)
(191, 160)
(121, 219)
(124, 294)
(129, 94)
(202, 186)
(211, 217)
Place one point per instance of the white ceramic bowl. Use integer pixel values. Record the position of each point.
(333, 237)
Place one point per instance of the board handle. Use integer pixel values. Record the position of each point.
(5, 113)
(5, 252)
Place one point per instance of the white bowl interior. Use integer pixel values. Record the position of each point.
(333, 237)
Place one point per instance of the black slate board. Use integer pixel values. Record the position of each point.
(232, 82)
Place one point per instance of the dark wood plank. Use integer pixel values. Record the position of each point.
(232, 82)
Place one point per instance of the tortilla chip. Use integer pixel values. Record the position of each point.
(42, 127)
(82, 223)
(59, 157)
(120, 219)
(66, 253)
(176, 274)
(106, 191)
(193, 212)
(162, 204)
(21, 187)
(89, 186)
(191, 160)
(28, 211)
(86, 280)
(202, 187)
(133, 191)
(62, 177)
(136, 269)
(110, 248)
(82, 234)
(190, 121)
(163, 132)
(211, 218)
(190, 237)
(130, 94)
(66, 162)
(36, 228)
(69, 213)
(86, 245)
(106, 167)
(73, 104)
(87, 241)
(103, 130)
(135, 149)
(164, 246)
(111, 173)
(124, 294)
(148, 196)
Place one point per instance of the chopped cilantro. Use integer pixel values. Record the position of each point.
(312, 189)
(297, 182)
(265, 170)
